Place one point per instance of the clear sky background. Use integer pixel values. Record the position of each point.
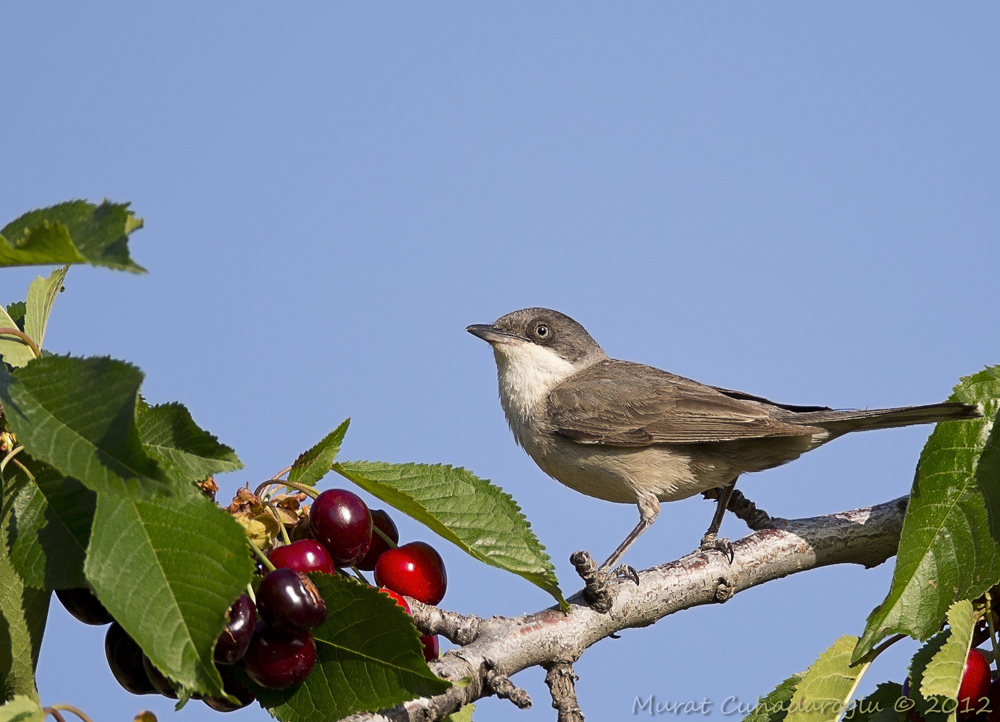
(798, 200)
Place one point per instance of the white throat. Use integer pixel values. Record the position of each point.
(527, 373)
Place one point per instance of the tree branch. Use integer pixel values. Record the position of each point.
(500, 646)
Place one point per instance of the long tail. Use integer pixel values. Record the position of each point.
(841, 422)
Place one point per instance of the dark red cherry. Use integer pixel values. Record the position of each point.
(233, 687)
(381, 520)
(305, 555)
(159, 681)
(83, 605)
(125, 660)
(277, 658)
(431, 648)
(288, 599)
(414, 569)
(341, 522)
(235, 638)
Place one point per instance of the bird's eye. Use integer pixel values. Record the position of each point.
(541, 330)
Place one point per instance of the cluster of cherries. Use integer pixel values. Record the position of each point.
(343, 532)
(270, 637)
(978, 696)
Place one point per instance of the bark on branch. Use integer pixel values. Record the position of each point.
(496, 648)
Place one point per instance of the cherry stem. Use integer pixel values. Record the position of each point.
(54, 710)
(385, 537)
(6, 460)
(359, 575)
(989, 621)
(276, 479)
(281, 524)
(263, 557)
(25, 339)
(253, 597)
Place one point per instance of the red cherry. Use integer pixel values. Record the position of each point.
(305, 555)
(399, 599)
(911, 714)
(125, 659)
(158, 679)
(288, 599)
(341, 522)
(975, 684)
(414, 569)
(381, 520)
(83, 605)
(235, 638)
(233, 687)
(431, 648)
(278, 659)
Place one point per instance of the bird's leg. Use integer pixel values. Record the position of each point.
(711, 541)
(649, 509)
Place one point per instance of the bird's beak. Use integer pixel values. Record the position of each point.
(492, 334)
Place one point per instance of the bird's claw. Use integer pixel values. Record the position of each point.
(711, 543)
(626, 572)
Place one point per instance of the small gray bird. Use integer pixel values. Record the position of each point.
(633, 434)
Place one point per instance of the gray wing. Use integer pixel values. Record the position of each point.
(618, 403)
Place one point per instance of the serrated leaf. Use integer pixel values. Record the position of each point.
(463, 715)
(22, 709)
(826, 688)
(13, 350)
(312, 465)
(16, 311)
(928, 709)
(368, 657)
(41, 295)
(23, 612)
(51, 527)
(168, 570)
(78, 415)
(470, 512)
(943, 674)
(189, 453)
(882, 705)
(774, 707)
(73, 232)
(948, 548)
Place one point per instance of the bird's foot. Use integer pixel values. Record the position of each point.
(624, 571)
(710, 542)
(597, 588)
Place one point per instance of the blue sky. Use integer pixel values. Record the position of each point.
(797, 200)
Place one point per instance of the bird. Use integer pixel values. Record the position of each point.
(629, 433)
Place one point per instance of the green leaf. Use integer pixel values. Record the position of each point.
(41, 295)
(931, 710)
(312, 465)
(13, 349)
(168, 570)
(22, 709)
(169, 435)
(78, 415)
(943, 674)
(828, 685)
(463, 715)
(470, 512)
(774, 707)
(368, 657)
(16, 311)
(882, 705)
(73, 232)
(948, 548)
(23, 612)
(51, 527)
